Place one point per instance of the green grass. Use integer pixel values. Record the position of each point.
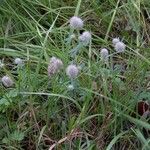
(39, 112)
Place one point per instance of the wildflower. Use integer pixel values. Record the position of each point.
(54, 66)
(7, 81)
(70, 87)
(104, 54)
(115, 41)
(76, 22)
(120, 47)
(72, 71)
(85, 37)
(18, 61)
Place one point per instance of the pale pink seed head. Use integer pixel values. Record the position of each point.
(104, 54)
(85, 37)
(72, 71)
(54, 66)
(76, 22)
(115, 41)
(7, 81)
(120, 47)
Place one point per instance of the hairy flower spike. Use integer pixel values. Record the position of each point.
(115, 41)
(120, 47)
(54, 66)
(72, 71)
(104, 54)
(76, 22)
(7, 81)
(18, 61)
(85, 37)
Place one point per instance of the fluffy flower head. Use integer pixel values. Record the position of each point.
(18, 61)
(120, 47)
(54, 66)
(7, 81)
(104, 54)
(115, 41)
(76, 22)
(85, 37)
(72, 71)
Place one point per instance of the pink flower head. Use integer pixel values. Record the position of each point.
(104, 54)
(76, 22)
(72, 71)
(85, 37)
(120, 47)
(115, 41)
(54, 66)
(7, 81)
